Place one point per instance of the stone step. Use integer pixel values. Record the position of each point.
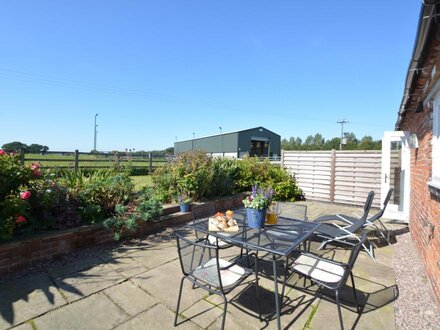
(170, 208)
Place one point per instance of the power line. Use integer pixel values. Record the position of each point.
(129, 92)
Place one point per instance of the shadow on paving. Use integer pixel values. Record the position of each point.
(22, 292)
(54, 283)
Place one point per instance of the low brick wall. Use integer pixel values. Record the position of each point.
(23, 252)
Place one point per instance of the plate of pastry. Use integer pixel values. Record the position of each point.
(223, 222)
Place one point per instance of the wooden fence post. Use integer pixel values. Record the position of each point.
(21, 156)
(332, 175)
(150, 169)
(76, 163)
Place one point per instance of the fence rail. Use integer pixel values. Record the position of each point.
(75, 160)
(336, 176)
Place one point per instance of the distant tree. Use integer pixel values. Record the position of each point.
(367, 143)
(37, 148)
(317, 142)
(14, 146)
(169, 151)
(332, 144)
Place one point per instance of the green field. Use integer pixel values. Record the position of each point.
(97, 161)
(141, 181)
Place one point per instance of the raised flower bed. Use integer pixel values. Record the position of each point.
(22, 252)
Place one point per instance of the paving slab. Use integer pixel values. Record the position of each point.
(126, 266)
(81, 284)
(130, 298)
(156, 255)
(74, 266)
(94, 312)
(26, 298)
(158, 317)
(163, 283)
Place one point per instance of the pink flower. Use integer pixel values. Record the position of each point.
(36, 173)
(2, 152)
(20, 219)
(25, 194)
(11, 154)
(35, 166)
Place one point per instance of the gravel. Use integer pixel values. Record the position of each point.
(416, 307)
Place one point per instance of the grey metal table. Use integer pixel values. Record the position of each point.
(279, 240)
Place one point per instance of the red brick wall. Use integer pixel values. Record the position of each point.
(424, 220)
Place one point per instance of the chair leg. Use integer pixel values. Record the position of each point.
(369, 251)
(257, 289)
(354, 293)
(323, 244)
(224, 311)
(286, 276)
(178, 301)
(339, 309)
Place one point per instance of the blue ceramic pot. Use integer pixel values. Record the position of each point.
(255, 218)
(184, 207)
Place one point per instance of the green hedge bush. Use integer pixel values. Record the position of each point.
(203, 177)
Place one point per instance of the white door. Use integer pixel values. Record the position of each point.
(396, 174)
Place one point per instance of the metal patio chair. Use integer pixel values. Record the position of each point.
(334, 232)
(328, 273)
(369, 222)
(202, 267)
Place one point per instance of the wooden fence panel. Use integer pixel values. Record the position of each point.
(343, 177)
(312, 170)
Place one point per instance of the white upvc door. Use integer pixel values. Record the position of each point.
(396, 174)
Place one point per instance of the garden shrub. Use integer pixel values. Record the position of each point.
(224, 176)
(196, 175)
(187, 176)
(14, 194)
(128, 217)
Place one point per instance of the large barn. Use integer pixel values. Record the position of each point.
(257, 141)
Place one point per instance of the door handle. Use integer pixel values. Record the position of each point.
(386, 176)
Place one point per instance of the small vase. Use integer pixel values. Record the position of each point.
(184, 207)
(255, 218)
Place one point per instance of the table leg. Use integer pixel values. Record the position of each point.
(277, 301)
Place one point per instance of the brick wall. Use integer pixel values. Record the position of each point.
(16, 254)
(424, 220)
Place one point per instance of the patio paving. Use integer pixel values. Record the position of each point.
(135, 286)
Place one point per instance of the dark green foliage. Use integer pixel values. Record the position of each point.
(317, 142)
(224, 175)
(127, 218)
(202, 177)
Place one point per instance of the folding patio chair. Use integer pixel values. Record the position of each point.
(369, 222)
(334, 232)
(202, 266)
(328, 273)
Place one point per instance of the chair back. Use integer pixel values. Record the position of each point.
(367, 205)
(356, 249)
(201, 258)
(379, 214)
(358, 224)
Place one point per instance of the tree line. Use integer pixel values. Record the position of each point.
(317, 142)
(18, 146)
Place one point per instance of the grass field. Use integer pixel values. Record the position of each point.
(68, 160)
(141, 181)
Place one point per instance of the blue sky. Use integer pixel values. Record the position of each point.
(157, 70)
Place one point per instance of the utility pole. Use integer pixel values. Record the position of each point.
(96, 133)
(192, 145)
(342, 122)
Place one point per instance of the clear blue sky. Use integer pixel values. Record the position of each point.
(156, 70)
